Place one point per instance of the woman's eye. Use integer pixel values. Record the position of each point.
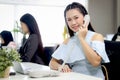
(68, 19)
(76, 17)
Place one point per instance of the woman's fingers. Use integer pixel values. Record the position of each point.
(66, 69)
(82, 32)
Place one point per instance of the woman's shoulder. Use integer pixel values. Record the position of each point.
(98, 37)
(33, 37)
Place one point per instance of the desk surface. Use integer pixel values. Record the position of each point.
(62, 76)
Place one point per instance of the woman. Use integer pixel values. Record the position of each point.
(84, 52)
(7, 39)
(32, 49)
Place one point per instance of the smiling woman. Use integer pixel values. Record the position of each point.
(81, 53)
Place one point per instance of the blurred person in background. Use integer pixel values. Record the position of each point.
(7, 39)
(32, 49)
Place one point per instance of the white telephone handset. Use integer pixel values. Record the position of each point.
(86, 21)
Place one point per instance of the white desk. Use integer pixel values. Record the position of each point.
(62, 76)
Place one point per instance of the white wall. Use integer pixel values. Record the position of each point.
(41, 2)
(103, 15)
(6, 17)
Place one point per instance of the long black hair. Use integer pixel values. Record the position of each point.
(81, 8)
(7, 37)
(32, 25)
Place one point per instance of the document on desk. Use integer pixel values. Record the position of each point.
(25, 67)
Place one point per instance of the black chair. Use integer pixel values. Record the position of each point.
(113, 52)
(49, 50)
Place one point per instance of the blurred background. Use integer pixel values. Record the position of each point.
(105, 17)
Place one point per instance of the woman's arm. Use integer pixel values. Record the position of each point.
(57, 64)
(91, 55)
(54, 64)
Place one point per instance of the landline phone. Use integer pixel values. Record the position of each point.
(86, 21)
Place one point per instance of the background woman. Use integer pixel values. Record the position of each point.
(7, 39)
(32, 49)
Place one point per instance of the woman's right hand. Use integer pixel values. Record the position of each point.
(65, 69)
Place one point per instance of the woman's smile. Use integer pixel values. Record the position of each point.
(75, 28)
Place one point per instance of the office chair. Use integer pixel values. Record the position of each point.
(113, 52)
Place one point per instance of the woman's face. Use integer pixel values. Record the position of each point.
(2, 40)
(74, 19)
(24, 28)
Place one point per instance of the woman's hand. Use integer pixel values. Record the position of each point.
(84, 28)
(65, 69)
(82, 32)
(12, 45)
